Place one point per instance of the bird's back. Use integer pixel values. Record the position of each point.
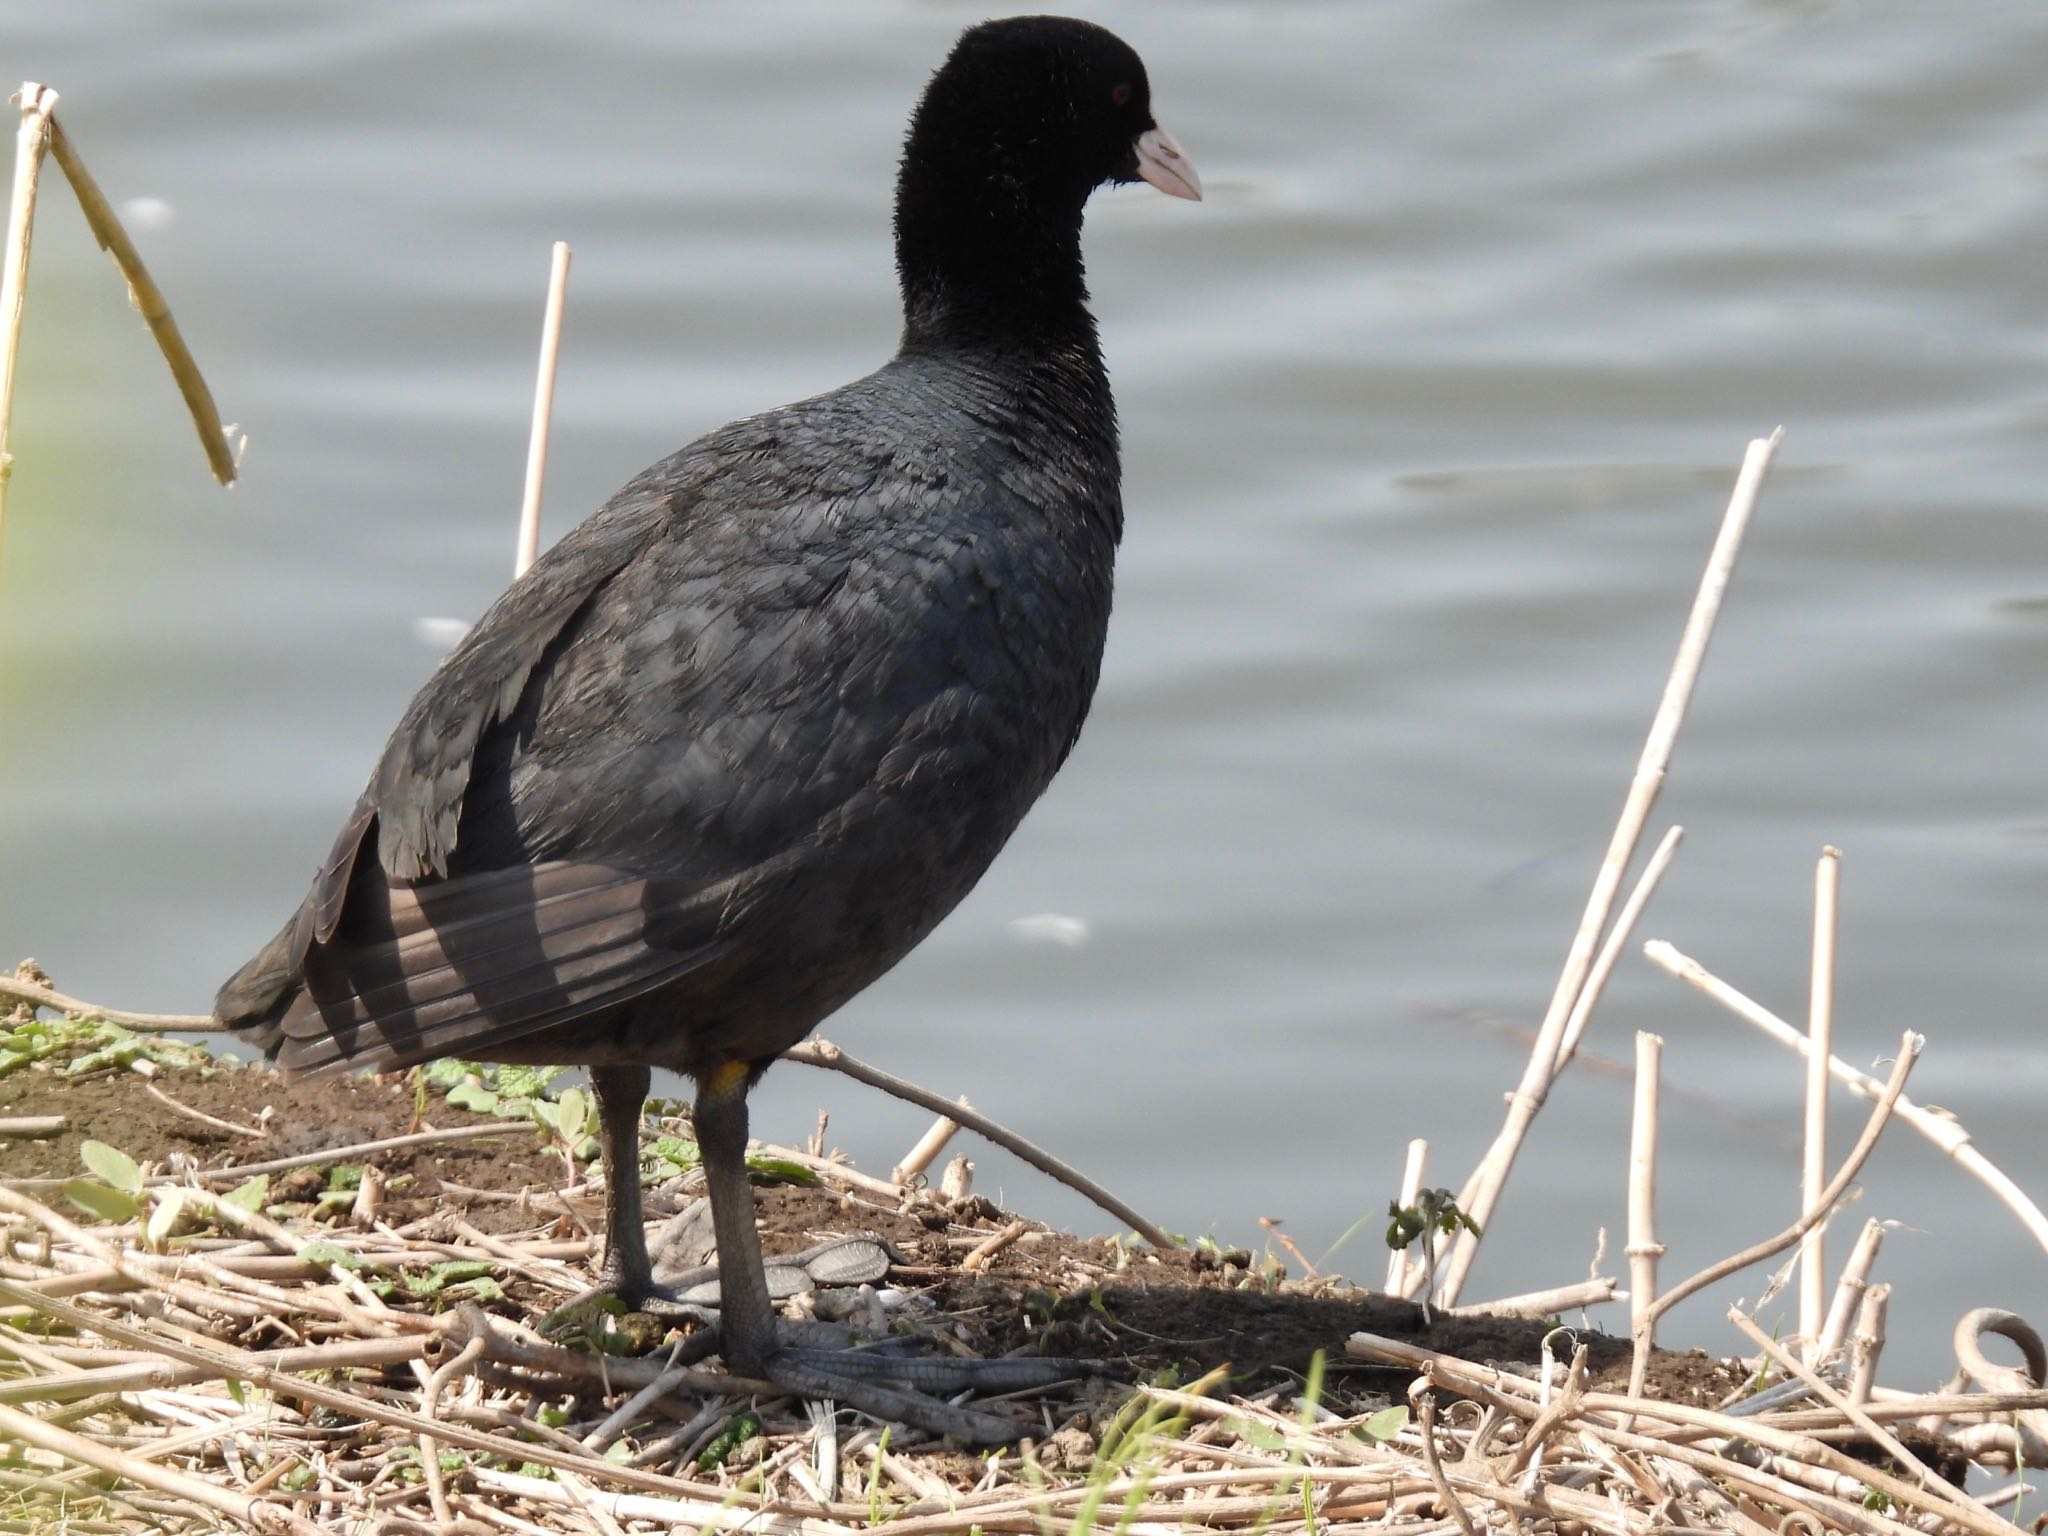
(734, 745)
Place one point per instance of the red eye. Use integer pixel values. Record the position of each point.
(1120, 95)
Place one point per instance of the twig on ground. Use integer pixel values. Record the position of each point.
(929, 1146)
(1490, 1178)
(823, 1053)
(43, 997)
(201, 1115)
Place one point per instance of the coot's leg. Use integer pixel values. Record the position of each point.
(746, 1316)
(620, 1093)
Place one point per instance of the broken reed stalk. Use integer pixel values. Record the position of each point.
(1617, 940)
(142, 1023)
(1643, 1248)
(1868, 1343)
(1411, 1186)
(30, 142)
(1910, 1046)
(1944, 1132)
(929, 1146)
(1855, 1278)
(148, 299)
(1820, 1034)
(543, 410)
(1490, 1178)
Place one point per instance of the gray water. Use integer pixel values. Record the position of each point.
(1430, 414)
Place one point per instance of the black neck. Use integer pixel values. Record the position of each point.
(984, 260)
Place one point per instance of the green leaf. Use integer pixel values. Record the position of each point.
(448, 1071)
(345, 1176)
(473, 1096)
(1385, 1424)
(237, 1391)
(331, 1256)
(1264, 1436)
(525, 1082)
(115, 1167)
(679, 1152)
(248, 1195)
(435, 1277)
(100, 1202)
(572, 1114)
(764, 1166)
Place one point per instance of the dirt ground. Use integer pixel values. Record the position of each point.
(1177, 1313)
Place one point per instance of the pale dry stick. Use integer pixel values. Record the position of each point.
(1849, 1288)
(201, 1115)
(616, 1422)
(1643, 1248)
(33, 138)
(142, 1375)
(1411, 1186)
(1423, 1400)
(1935, 1125)
(1560, 1298)
(430, 1405)
(1528, 1456)
(1910, 1046)
(929, 1146)
(255, 1513)
(33, 1127)
(543, 410)
(823, 1053)
(1517, 1394)
(1617, 940)
(232, 1364)
(45, 997)
(148, 299)
(1867, 1344)
(982, 1253)
(1928, 1482)
(1820, 1034)
(1490, 1178)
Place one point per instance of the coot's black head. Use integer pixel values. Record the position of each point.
(1026, 117)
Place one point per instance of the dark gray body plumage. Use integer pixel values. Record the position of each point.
(735, 744)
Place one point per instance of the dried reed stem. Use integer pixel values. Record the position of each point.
(1849, 1288)
(1617, 940)
(1643, 1248)
(1490, 1178)
(1938, 1128)
(1910, 1046)
(1868, 1343)
(32, 139)
(543, 410)
(929, 1146)
(148, 300)
(1820, 1033)
(1411, 1186)
(823, 1053)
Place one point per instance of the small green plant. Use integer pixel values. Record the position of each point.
(1434, 1211)
(114, 1193)
(87, 1045)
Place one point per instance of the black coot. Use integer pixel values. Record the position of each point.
(736, 743)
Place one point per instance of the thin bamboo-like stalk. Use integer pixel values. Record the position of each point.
(1643, 1248)
(1617, 940)
(1820, 1033)
(1411, 1186)
(1561, 1298)
(149, 302)
(31, 140)
(543, 410)
(1849, 1289)
(929, 1146)
(1868, 1343)
(1490, 1179)
(1910, 1046)
(1938, 1128)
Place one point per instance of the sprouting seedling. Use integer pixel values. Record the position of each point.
(114, 1193)
(1433, 1211)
